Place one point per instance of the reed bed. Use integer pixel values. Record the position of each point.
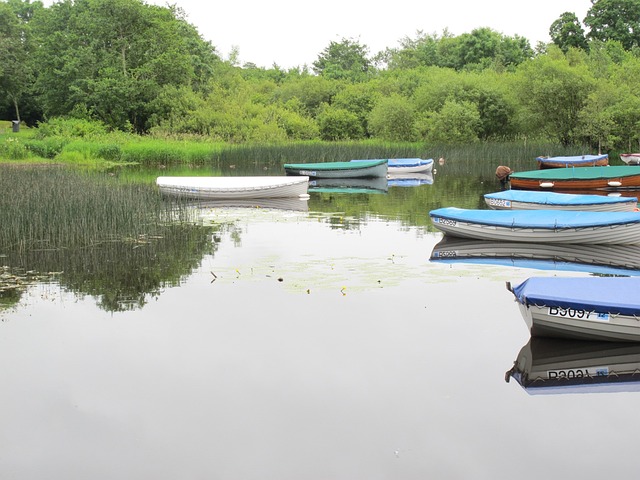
(56, 208)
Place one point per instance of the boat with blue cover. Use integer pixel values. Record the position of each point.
(584, 308)
(546, 366)
(573, 161)
(617, 177)
(536, 200)
(550, 226)
(402, 166)
(363, 169)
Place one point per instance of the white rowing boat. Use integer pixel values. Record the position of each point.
(234, 187)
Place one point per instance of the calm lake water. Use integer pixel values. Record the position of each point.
(317, 341)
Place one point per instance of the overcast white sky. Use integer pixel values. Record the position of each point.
(292, 33)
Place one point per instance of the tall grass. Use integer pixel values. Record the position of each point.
(56, 208)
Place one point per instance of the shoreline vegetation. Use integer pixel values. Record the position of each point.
(119, 150)
(125, 82)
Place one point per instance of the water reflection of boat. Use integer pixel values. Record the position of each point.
(553, 366)
(349, 185)
(599, 259)
(409, 179)
(299, 204)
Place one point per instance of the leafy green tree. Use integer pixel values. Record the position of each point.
(114, 57)
(311, 91)
(456, 122)
(567, 32)
(344, 60)
(553, 92)
(615, 20)
(485, 90)
(596, 119)
(16, 72)
(359, 99)
(483, 48)
(339, 124)
(393, 118)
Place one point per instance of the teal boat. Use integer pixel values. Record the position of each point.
(363, 169)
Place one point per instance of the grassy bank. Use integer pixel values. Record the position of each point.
(82, 144)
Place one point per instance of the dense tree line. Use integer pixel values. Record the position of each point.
(145, 69)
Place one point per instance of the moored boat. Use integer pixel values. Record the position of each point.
(578, 178)
(233, 187)
(406, 165)
(554, 366)
(536, 200)
(573, 161)
(551, 226)
(361, 169)
(630, 158)
(583, 308)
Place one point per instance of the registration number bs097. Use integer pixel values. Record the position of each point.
(577, 313)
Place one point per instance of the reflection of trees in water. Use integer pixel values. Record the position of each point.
(123, 275)
(106, 239)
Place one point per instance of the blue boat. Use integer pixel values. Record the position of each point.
(402, 166)
(536, 200)
(573, 161)
(584, 308)
(549, 226)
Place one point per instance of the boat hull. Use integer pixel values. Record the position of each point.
(609, 178)
(405, 166)
(537, 200)
(540, 226)
(573, 161)
(587, 308)
(630, 158)
(364, 169)
(212, 188)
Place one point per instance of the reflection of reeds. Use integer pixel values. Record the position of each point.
(54, 208)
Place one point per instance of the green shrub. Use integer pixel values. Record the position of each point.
(13, 149)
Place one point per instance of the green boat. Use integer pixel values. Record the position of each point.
(362, 169)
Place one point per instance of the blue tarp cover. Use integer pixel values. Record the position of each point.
(549, 219)
(409, 162)
(551, 198)
(618, 295)
(403, 162)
